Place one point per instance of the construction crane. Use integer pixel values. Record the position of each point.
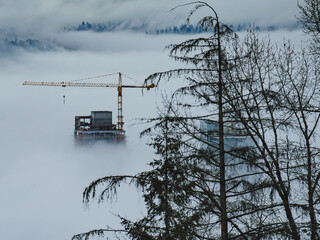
(118, 85)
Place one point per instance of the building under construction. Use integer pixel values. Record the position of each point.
(97, 126)
(234, 138)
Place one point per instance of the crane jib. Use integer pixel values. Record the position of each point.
(69, 84)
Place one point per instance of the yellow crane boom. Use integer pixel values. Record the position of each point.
(118, 85)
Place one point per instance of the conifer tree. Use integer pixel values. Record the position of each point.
(206, 184)
(165, 190)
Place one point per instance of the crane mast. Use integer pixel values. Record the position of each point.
(119, 86)
(120, 116)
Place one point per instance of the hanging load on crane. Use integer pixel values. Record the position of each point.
(99, 123)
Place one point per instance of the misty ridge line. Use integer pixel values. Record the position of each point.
(181, 29)
(11, 42)
(10, 45)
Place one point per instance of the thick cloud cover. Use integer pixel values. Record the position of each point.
(42, 171)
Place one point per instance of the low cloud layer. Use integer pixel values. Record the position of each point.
(36, 16)
(43, 172)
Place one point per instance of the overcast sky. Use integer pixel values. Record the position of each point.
(38, 15)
